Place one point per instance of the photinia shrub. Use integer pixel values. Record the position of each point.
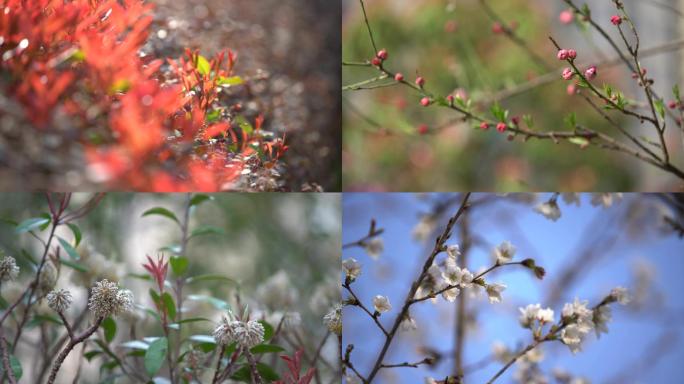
(142, 123)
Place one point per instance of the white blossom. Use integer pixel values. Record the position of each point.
(500, 352)
(432, 282)
(424, 228)
(381, 304)
(605, 199)
(528, 315)
(450, 295)
(408, 324)
(602, 316)
(572, 336)
(453, 251)
(374, 247)
(620, 295)
(545, 315)
(583, 315)
(549, 209)
(494, 292)
(8, 269)
(352, 269)
(504, 252)
(333, 319)
(571, 198)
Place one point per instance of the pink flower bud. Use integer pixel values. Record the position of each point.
(376, 61)
(568, 74)
(423, 129)
(420, 81)
(515, 120)
(672, 104)
(616, 20)
(572, 54)
(501, 127)
(450, 99)
(399, 77)
(571, 89)
(566, 16)
(484, 126)
(591, 72)
(562, 54)
(382, 54)
(497, 28)
(425, 101)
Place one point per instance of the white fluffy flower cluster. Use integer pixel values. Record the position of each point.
(581, 321)
(59, 300)
(333, 319)
(107, 299)
(8, 269)
(533, 313)
(246, 334)
(351, 268)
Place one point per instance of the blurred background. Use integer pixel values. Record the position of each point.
(588, 251)
(279, 251)
(451, 44)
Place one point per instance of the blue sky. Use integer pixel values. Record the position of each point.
(555, 245)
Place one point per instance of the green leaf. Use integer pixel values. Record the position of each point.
(109, 326)
(675, 92)
(266, 348)
(268, 330)
(209, 277)
(169, 304)
(76, 266)
(176, 249)
(244, 125)
(90, 354)
(267, 372)
(233, 80)
(161, 212)
(71, 251)
(199, 199)
(581, 141)
(155, 355)
(498, 112)
(31, 224)
(179, 264)
(203, 339)
(202, 65)
(660, 107)
(193, 320)
(529, 121)
(206, 230)
(77, 233)
(120, 86)
(213, 115)
(136, 344)
(571, 120)
(78, 56)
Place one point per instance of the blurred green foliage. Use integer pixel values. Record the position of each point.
(453, 47)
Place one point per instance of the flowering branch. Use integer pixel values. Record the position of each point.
(73, 341)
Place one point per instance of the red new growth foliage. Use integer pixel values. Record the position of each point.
(157, 270)
(294, 365)
(153, 131)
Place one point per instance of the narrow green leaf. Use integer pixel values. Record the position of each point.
(244, 125)
(169, 304)
(161, 211)
(202, 65)
(217, 303)
(233, 80)
(31, 224)
(155, 355)
(73, 265)
(109, 326)
(199, 199)
(206, 230)
(77, 233)
(203, 339)
(70, 250)
(135, 344)
(267, 372)
(209, 277)
(660, 107)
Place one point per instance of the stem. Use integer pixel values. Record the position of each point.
(72, 343)
(439, 245)
(5, 358)
(256, 378)
(217, 371)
